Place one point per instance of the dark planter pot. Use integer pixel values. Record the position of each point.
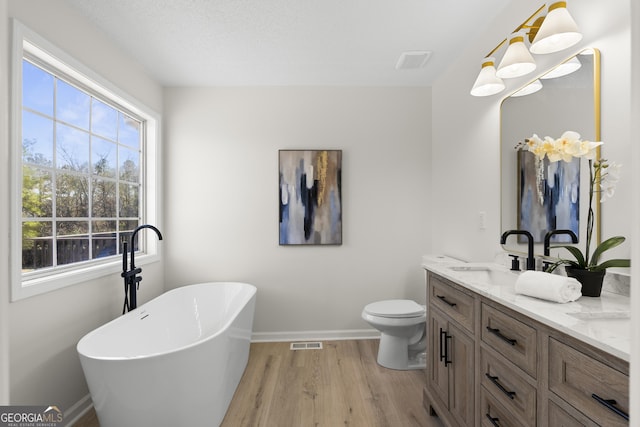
(591, 280)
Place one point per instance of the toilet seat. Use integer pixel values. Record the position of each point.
(396, 308)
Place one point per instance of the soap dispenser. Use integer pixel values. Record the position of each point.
(515, 263)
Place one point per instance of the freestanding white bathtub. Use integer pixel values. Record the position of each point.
(174, 361)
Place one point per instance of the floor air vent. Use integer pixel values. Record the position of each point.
(315, 345)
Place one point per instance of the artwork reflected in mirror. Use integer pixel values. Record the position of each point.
(549, 196)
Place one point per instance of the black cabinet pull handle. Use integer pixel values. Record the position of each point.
(442, 345)
(494, 380)
(444, 300)
(497, 333)
(492, 420)
(610, 405)
(447, 339)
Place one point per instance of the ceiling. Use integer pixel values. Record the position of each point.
(289, 42)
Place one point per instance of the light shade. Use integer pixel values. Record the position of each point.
(564, 69)
(532, 87)
(487, 82)
(557, 32)
(517, 61)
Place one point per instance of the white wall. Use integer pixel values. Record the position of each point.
(466, 130)
(222, 197)
(44, 330)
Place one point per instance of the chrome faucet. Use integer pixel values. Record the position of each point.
(130, 274)
(547, 243)
(531, 262)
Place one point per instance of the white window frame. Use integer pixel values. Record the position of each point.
(24, 41)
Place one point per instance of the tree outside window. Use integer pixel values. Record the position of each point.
(81, 175)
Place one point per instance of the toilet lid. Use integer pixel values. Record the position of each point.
(395, 308)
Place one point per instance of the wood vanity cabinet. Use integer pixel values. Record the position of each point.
(488, 365)
(451, 363)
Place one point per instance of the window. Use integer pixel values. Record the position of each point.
(80, 172)
(84, 168)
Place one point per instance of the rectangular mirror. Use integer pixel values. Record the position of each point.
(557, 103)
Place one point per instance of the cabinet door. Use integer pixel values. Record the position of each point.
(438, 372)
(461, 376)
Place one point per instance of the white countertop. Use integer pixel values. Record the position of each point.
(602, 322)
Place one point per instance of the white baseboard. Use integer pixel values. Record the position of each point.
(286, 336)
(75, 412)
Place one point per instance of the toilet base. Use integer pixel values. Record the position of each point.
(393, 353)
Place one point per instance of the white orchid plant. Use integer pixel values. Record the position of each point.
(603, 177)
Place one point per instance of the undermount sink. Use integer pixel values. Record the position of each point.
(469, 268)
(485, 274)
(603, 315)
(603, 324)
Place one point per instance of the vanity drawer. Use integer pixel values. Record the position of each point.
(511, 338)
(508, 387)
(454, 303)
(579, 379)
(493, 414)
(558, 417)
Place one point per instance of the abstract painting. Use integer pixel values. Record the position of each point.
(549, 196)
(310, 197)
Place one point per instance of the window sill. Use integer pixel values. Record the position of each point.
(26, 288)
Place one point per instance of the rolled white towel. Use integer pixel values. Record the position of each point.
(551, 287)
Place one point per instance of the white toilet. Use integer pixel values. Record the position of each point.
(402, 324)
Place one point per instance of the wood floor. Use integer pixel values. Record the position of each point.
(340, 385)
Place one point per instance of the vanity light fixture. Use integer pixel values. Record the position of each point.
(532, 87)
(517, 61)
(557, 32)
(487, 82)
(547, 34)
(564, 69)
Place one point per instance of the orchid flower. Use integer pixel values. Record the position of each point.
(565, 148)
(603, 177)
(609, 178)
